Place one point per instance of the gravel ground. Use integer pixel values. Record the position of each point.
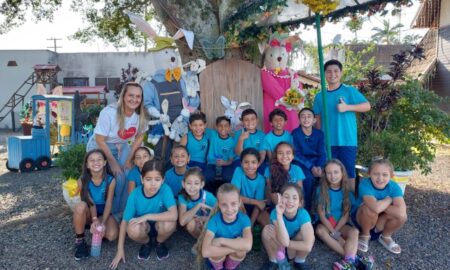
(36, 230)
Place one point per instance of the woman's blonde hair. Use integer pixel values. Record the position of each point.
(225, 188)
(324, 198)
(141, 110)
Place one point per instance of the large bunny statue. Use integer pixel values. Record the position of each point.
(180, 125)
(276, 77)
(233, 111)
(167, 82)
(162, 125)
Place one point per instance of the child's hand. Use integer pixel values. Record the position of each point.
(138, 220)
(316, 171)
(94, 225)
(342, 106)
(115, 168)
(220, 162)
(336, 235)
(244, 135)
(119, 256)
(217, 242)
(280, 205)
(261, 204)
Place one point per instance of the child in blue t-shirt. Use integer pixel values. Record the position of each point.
(291, 229)
(96, 186)
(194, 203)
(141, 155)
(249, 136)
(382, 209)
(343, 102)
(179, 157)
(282, 171)
(334, 200)
(227, 237)
(278, 120)
(309, 152)
(197, 140)
(150, 213)
(251, 186)
(220, 154)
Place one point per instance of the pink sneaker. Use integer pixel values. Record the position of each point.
(231, 264)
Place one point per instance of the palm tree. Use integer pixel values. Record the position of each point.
(411, 39)
(387, 34)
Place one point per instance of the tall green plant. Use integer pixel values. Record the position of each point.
(71, 161)
(355, 69)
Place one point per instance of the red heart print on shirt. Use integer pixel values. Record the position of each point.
(126, 133)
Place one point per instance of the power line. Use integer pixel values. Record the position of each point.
(54, 43)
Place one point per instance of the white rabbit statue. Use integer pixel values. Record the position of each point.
(233, 111)
(180, 125)
(161, 125)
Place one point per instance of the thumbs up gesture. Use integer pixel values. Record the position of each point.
(342, 106)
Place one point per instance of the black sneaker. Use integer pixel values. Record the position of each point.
(161, 251)
(81, 250)
(144, 251)
(269, 266)
(364, 262)
(301, 266)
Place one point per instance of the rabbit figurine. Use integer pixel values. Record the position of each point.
(161, 125)
(233, 111)
(276, 77)
(180, 125)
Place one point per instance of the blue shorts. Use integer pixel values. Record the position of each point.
(200, 165)
(100, 209)
(249, 209)
(153, 232)
(347, 155)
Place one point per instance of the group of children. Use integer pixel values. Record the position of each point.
(277, 180)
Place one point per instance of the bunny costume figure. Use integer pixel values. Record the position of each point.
(167, 82)
(276, 78)
(233, 111)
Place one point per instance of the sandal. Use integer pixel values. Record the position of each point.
(391, 246)
(363, 243)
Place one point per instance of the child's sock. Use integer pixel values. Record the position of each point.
(216, 265)
(231, 264)
(273, 260)
(280, 255)
(350, 258)
(299, 260)
(79, 238)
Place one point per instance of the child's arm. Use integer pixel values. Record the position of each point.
(186, 216)
(183, 140)
(120, 255)
(307, 242)
(323, 219)
(261, 204)
(108, 203)
(398, 207)
(377, 206)
(243, 243)
(240, 143)
(170, 215)
(281, 231)
(341, 223)
(262, 155)
(131, 186)
(361, 107)
(137, 142)
(213, 250)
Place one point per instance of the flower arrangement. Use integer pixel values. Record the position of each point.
(26, 114)
(321, 6)
(293, 99)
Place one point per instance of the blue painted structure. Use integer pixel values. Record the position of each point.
(26, 153)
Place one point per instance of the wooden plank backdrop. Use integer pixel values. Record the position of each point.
(236, 80)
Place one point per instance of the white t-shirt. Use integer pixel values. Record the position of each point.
(108, 125)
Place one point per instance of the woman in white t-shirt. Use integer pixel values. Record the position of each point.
(119, 132)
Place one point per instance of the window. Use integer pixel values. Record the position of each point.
(82, 81)
(109, 82)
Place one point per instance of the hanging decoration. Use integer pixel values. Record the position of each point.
(323, 7)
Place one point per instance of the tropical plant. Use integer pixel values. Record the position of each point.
(411, 39)
(355, 69)
(93, 112)
(387, 34)
(71, 161)
(404, 119)
(354, 25)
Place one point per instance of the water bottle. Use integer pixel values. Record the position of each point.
(96, 245)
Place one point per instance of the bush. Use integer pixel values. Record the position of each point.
(71, 161)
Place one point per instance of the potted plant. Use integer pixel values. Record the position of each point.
(93, 113)
(26, 118)
(405, 120)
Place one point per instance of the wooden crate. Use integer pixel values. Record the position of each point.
(235, 79)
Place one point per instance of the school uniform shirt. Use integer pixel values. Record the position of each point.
(271, 140)
(139, 204)
(255, 139)
(336, 199)
(107, 125)
(98, 193)
(366, 188)
(205, 197)
(295, 174)
(220, 148)
(309, 151)
(220, 228)
(343, 125)
(134, 175)
(293, 225)
(248, 187)
(173, 180)
(198, 149)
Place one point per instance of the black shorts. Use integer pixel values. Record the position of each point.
(249, 209)
(153, 232)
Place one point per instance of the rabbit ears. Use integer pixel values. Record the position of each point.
(41, 90)
(280, 40)
(169, 42)
(231, 104)
(186, 105)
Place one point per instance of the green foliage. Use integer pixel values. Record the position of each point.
(71, 161)
(388, 34)
(26, 112)
(310, 95)
(355, 68)
(411, 39)
(355, 24)
(93, 112)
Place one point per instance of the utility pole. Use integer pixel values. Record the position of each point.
(54, 43)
